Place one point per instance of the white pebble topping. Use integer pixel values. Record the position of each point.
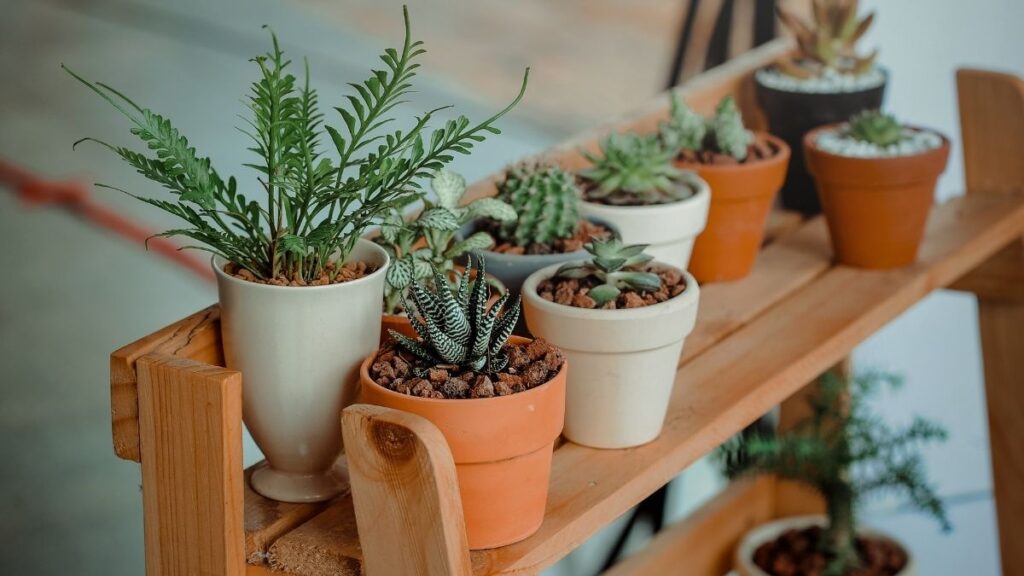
(831, 82)
(840, 143)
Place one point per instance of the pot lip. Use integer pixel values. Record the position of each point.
(810, 145)
(217, 263)
(688, 298)
(780, 157)
(364, 376)
(702, 193)
(542, 259)
(886, 76)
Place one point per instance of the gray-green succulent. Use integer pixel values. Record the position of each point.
(457, 329)
(729, 134)
(830, 42)
(724, 132)
(546, 201)
(635, 169)
(430, 242)
(876, 127)
(685, 129)
(616, 265)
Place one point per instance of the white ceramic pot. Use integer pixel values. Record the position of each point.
(669, 229)
(744, 560)
(623, 362)
(299, 350)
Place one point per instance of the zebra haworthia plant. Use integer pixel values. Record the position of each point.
(316, 206)
(429, 243)
(457, 329)
(617, 266)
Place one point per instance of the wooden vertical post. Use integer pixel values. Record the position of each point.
(992, 124)
(190, 423)
(406, 494)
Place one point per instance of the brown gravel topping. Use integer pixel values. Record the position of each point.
(795, 553)
(529, 366)
(330, 275)
(760, 149)
(585, 232)
(572, 292)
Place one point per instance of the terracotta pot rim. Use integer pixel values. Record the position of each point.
(781, 156)
(217, 263)
(674, 205)
(811, 146)
(364, 375)
(886, 76)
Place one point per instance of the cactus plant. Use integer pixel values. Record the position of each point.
(429, 243)
(616, 265)
(726, 127)
(637, 170)
(546, 201)
(457, 329)
(830, 42)
(723, 133)
(876, 127)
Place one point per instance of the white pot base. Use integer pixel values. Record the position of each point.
(298, 487)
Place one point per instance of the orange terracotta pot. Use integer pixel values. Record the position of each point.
(876, 208)
(741, 197)
(502, 448)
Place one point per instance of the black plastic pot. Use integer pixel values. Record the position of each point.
(790, 115)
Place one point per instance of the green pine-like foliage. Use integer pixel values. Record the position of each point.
(316, 204)
(546, 201)
(846, 454)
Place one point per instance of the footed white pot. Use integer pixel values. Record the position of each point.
(744, 560)
(669, 229)
(299, 350)
(623, 362)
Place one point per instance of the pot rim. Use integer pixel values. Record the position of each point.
(780, 157)
(886, 76)
(217, 263)
(364, 376)
(810, 144)
(689, 297)
(678, 205)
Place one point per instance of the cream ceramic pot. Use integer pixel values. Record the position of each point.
(623, 362)
(299, 350)
(744, 559)
(669, 229)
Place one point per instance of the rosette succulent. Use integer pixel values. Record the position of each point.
(617, 266)
(876, 127)
(830, 43)
(636, 169)
(723, 133)
(546, 201)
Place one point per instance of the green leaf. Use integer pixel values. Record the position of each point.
(449, 187)
(603, 294)
(476, 241)
(438, 219)
(492, 208)
(400, 273)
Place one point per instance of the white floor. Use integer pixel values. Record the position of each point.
(70, 293)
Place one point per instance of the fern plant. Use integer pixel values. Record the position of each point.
(430, 242)
(636, 169)
(616, 265)
(546, 201)
(316, 206)
(846, 454)
(457, 329)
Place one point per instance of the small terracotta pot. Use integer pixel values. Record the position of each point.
(502, 448)
(741, 197)
(876, 208)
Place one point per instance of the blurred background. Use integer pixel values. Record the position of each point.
(72, 292)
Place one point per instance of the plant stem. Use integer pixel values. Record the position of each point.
(840, 535)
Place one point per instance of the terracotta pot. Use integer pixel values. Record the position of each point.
(876, 208)
(741, 197)
(299, 350)
(623, 362)
(791, 115)
(669, 229)
(502, 448)
(744, 558)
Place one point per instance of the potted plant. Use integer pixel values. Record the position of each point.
(845, 453)
(827, 81)
(634, 186)
(299, 289)
(621, 320)
(431, 242)
(744, 170)
(499, 402)
(547, 228)
(877, 180)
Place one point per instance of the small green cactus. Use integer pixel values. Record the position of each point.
(830, 43)
(724, 132)
(637, 170)
(546, 201)
(730, 136)
(876, 127)
(457, 329)
(685, 129)
(617, 266)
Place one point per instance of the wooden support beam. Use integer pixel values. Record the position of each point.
(1000, 278)
(406, 494)
(190, 417)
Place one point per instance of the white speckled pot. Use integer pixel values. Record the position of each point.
(767, 532)
(670, 229)
(299, 350)
(623, 362)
